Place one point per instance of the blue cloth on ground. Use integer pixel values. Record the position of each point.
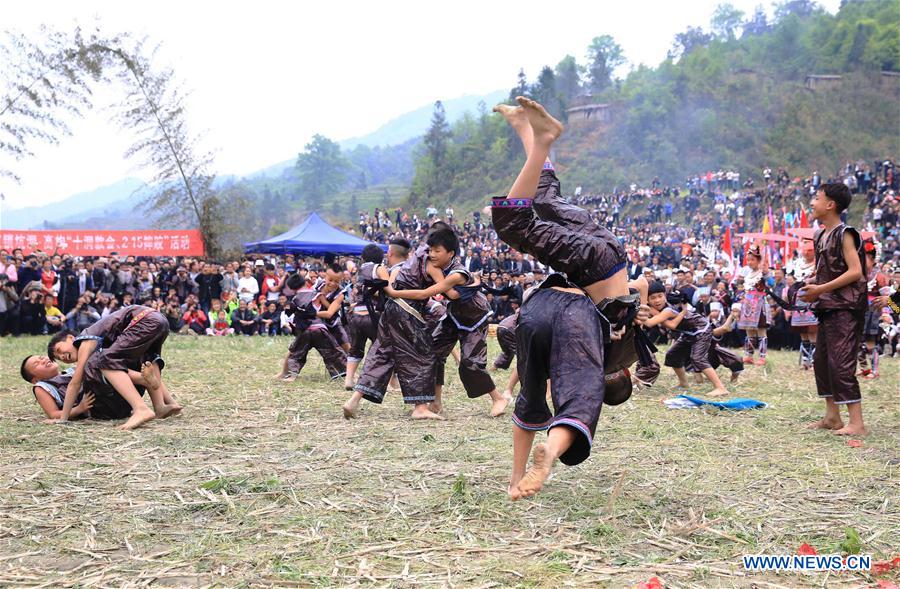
(737, 404)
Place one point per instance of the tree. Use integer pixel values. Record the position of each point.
(42, 83)
(521, 88)
(691, 39)
(228, 214)
(49, 79)
(758, 24)
(154, 109)
(436, 144)
(483, 115)
(568, 78)
(360, 183)
(545, 92)
(604, 56)
(322, 170)
(800, 8)
(725, 21)
(352, 206)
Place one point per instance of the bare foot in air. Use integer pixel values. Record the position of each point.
(852, 430)
(138, 418)
(546, 129)
(514, 115)
(150, 372)
(534, 479)
(735, 376)
(423, 412)
(826, 423)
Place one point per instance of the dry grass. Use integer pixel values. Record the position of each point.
(263, 484)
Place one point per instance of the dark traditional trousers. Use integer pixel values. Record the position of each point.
(108, 403)
(339, 334)
(362, 329)
(647, 373)
(691, 351)
(403, 346)
(472, 355)
(559, 337)
(324, 343)
(719, 356)
(135, 338)
(506, 337)
(834, 361)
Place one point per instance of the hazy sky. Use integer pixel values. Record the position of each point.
(266, 76)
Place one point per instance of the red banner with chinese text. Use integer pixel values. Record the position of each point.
(103, 243)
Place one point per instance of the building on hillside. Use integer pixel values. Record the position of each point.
(819, 81)
(589, 113)
(890, 81)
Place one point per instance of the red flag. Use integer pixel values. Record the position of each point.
(803, 222)
(726, 248)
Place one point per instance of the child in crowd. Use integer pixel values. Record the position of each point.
(220, 324)
(270, 320)
(755, 313)
(803, 320)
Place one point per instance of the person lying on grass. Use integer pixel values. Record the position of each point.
(95, 400)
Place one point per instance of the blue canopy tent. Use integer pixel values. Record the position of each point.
(312, 237)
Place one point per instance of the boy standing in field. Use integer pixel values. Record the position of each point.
(838, 295)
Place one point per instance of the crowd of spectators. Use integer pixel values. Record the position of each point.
(673, 234)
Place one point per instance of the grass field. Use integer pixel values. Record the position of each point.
(263, 484)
